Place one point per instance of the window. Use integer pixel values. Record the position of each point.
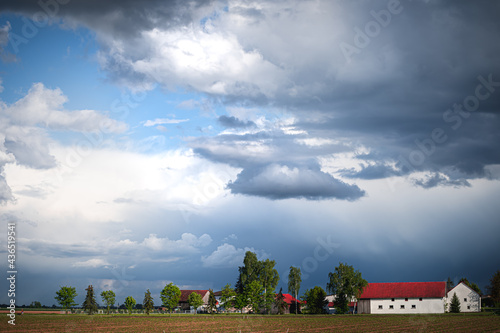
(402, 306)
(380, 307)
(413, 306)
(420, 299)
(391, 306)
(406, 299)
(468, 307)
(392, 299)
(465, 299)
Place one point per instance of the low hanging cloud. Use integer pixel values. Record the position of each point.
(233, 122)
(283, 182)
(227, 255)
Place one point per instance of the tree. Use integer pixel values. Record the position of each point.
(262, 272)
(35, 304)
(195, 300)
(240, 301)
(345, 283)
(449, 284)
(494, 288)
(471, 285)
(316, 300)
(227, 296)
(253, 294)
(66, 297)
(212, 302)
(294, 280)
(90, 304)
(148, 302)
(170, 296)
(130, 303)
(280, 302)
(248, 272)
(455, 304)
(108, 297)
(268, 278)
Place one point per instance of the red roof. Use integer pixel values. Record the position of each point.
(405, 290)
(289, 299)
(185, 294)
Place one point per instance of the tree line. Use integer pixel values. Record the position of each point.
(255, 290)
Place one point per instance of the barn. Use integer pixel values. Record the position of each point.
(403, 298)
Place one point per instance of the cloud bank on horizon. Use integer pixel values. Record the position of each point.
(363, 120)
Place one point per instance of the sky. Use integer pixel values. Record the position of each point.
(143, 145)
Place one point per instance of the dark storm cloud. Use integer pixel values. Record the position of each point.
(116, 17)
(284, 182)
(419, 69)
(233, 122)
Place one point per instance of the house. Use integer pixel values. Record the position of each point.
(404, 297)
(470, 300)
(289, 300)
(330, 307)
(184, 304)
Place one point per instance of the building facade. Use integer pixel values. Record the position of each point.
(403, 298)
(470, 300)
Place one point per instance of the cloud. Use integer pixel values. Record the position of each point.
(92, 263)
(233, 122)
(283, 182)
(26, 126)
(227, 255)
(159, 121)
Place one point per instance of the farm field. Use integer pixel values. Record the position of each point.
(252, 323)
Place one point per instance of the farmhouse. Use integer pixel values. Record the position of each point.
(470, 301)
(183, 302)
(404, 297)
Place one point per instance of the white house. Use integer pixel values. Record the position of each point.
(403, 297)
(470, 301)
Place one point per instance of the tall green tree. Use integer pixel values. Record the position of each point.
(345, 283)
(212, 302)
(280, 302)
(294, 280)
(130, 303)
(90, 304)
(253, 294)
(66, 297)
(228, 297)
(248, 272)
(148, 302)
(268, 278)
(170, 296)
(455, 304)
(195, 300)
(449, 284)
(316, 300)
(494, 288)
(108, 297)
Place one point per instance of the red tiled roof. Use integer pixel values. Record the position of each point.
(289, 299)
(185, 294)
(405, 290)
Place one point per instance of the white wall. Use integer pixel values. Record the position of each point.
(426, 305)
(470, 301)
